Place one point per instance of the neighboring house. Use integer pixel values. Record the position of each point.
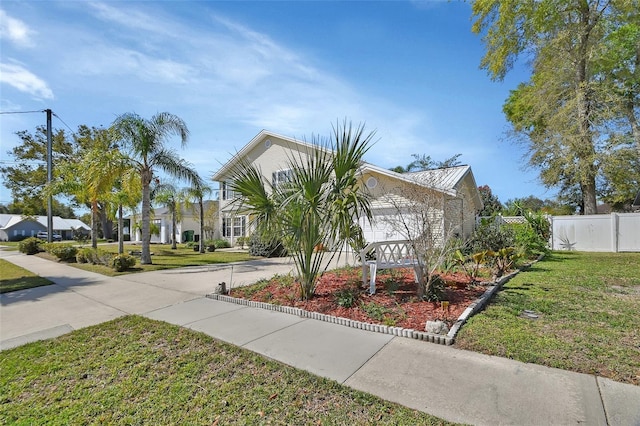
(14, 227)
(271, 153)
(187, 224)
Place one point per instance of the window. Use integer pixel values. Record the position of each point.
(234, 226)
(226, 227)
(280, 177)
(239, 226)
(227, 192)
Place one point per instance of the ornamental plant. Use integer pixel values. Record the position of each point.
(64, 252)
(30, 246)
(122, 262)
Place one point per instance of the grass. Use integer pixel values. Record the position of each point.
(137, 371)
(588, 322)
(166, 258)
(15, 278)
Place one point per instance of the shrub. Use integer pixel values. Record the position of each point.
(532, 237)
(103, 257)
(375, 310)
(95, 257)
(210, 245)
(347, 297)
(540, 224)
(489, 235)
(504, 260)
(528, 240)
(265, 248)
(30, 245)
(64, 252)
(436, 292)
(122, 262)
(471, 263)
(221, 243)
(81, 255)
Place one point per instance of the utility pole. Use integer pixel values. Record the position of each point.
(49, 179)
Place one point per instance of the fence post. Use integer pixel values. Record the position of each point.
(614, 232)
(552, 233)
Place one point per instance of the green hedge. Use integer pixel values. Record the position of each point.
(122, 262)
(30, 245)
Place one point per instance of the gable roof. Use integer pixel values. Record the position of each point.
(447, 180)
(59, 224)
(263, 135)
(444, 180)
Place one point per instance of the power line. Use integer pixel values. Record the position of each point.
(40, 111)
(21, 112)
(58, 117)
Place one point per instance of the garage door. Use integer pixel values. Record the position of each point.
(381, 230)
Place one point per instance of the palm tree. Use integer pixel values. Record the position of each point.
(99, 172)
(318, 206)
(145, 141)
(199, 190)
(170, 197)
(93, 176)
(127, 193)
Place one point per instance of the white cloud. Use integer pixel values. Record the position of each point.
(15, 30)
(223, 69)
(131, 18)
(101, 59)
(24, 80)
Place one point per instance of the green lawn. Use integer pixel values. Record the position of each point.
(165, 258)
(588, 307)
(16, 278)
(136, 371)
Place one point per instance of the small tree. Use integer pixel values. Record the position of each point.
(197, 191)
(127, 193)
(316, 206)
(427, 217)
(490, 201)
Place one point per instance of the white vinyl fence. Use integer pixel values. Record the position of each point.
(604, 233)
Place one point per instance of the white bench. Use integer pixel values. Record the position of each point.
(386, 255)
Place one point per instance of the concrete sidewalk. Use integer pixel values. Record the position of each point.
(456, 385)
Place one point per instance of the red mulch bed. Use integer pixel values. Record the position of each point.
(395, 302)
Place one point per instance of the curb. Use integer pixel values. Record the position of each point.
(376, 328)
(441, 339)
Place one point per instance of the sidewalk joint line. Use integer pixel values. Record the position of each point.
(369, 359)
(604, 407)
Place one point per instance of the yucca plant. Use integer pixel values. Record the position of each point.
(316, 207)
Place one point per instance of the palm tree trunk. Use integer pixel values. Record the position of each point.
(145, 258)
(94, 224)
(200, 201)
(173, 227)
(120, 230)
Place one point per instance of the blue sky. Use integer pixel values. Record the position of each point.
(409, 70)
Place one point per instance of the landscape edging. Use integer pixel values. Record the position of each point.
(441, 339)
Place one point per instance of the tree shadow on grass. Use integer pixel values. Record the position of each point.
(22, 283)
